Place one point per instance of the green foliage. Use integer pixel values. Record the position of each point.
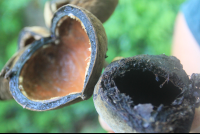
(136, 27)
(141, 27)
(81, 117)
(10, 25)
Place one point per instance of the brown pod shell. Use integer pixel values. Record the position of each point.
(146, 94)
(30, 34)
(62, 69)
(102, 9)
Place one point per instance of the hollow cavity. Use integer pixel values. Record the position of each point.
(29, 41)
(145, 87)
(58, 69)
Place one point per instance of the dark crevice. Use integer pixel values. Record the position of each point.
(29, 41)
(144, 87)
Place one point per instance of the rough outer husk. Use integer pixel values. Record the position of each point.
(102, 9)
(98, 40)
(124, 116)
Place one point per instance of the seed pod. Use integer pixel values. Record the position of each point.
(146, 94)
(27, 36)
(61, 69)
(30, 34)
(102, 9)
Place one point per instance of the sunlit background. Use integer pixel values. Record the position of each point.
(136, 27)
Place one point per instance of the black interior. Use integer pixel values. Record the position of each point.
(29, 41)
(143, 88)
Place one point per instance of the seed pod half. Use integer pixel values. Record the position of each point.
(146, 94)
(30, 34)
(61, 69)
(102, 9)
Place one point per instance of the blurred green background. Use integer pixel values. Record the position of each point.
(136, 27)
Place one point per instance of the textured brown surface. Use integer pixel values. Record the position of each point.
(59, 69)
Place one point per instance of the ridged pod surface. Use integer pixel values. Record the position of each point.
(148, 94)
(61, 69)
(102, 9)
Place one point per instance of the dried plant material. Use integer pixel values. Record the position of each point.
(147, 94)
(63, 68)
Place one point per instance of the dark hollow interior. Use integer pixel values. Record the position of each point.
(58, 69)
(29, 41)
(143, 88)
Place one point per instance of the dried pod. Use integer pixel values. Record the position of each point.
(30, 34)
(102, 9)
(146, 94)
(61, 69)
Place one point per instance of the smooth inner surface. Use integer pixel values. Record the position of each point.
(58, 69)
(145, 87)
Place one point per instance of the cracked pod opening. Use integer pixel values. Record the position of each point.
(145, 93)
(58, 69)
(145, 82)
(146, 87)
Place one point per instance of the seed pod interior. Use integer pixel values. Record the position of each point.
(61, 69)
(60, 66)
(145, 94)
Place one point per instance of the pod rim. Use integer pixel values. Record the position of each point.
(31, 49)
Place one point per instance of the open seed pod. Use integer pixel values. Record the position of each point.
(102, 9)
(146, 94)
(61, 69)
(30, 34)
